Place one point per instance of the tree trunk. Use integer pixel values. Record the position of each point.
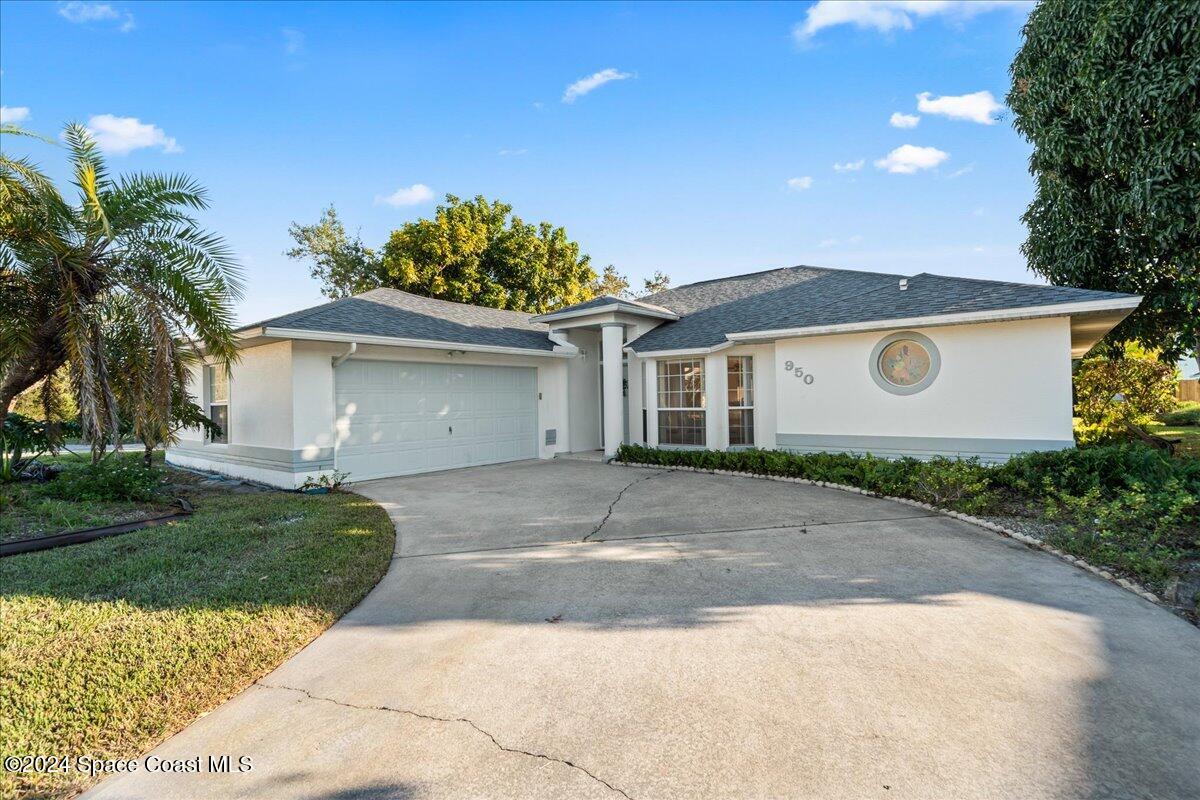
(45, 355)
(23, 373)
(148, 457)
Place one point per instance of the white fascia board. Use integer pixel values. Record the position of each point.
(995, 315)
(688, 351)
(610, 308)
(396, 341)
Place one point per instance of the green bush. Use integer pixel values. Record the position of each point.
(1110, 470)
(1140, 530)
(943, 481)
(952, 483)
(115, 478)
(1113, 393)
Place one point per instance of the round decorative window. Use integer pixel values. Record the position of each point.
(905, 363)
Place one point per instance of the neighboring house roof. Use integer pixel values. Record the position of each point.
(811, 297)
(393, 313)
(608, 303)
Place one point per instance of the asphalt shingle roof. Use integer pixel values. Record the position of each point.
(801, 297)
(793, 297)
(391, 312)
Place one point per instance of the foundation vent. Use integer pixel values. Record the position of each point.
(551, 436)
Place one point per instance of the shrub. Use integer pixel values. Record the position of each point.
(1146, 531)
(114, 479)
(952, 483)
(1113, 393)
(943, 481)
(1110, 470)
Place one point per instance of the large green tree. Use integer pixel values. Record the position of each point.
(472, 251)
(1108, 93)
(343, 264)
(126, 246)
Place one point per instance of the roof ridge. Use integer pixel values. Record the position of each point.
(777, 269)
(1015, 283)
(525, 314)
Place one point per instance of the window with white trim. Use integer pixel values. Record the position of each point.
(681, 404)
(740, 370)
(217, 377)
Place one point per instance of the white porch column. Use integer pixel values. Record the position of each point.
(612, 339)
(716, 388)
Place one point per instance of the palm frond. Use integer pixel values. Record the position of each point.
(90, 171)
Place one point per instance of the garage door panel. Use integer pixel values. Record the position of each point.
(396, 417)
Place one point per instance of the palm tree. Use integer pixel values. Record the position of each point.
(130, 247)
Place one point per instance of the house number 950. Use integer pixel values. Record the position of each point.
(791, 367)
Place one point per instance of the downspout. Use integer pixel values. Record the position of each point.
(339, 360)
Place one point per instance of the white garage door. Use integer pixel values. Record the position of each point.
(399, 418)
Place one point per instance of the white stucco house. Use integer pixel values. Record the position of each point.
(803, 358)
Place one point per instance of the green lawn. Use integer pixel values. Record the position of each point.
(1190, 435)
(111, 646)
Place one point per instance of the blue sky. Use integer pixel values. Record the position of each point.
(700, 139)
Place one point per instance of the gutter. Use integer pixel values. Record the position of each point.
(688, 351)
(396, 341)
(656, 312)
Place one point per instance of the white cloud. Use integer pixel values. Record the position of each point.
(13, 114)
(855, 239)
(978, 107)
(907, 159)
(958, 173)
(293, 41)
(899, 120)
(123, 135)
(517, 152)
(77, 11)
(592, 82)
(849, 166)
(889, 15)
(800, 184)
(82, 12)
(407, 196)
(827, 243)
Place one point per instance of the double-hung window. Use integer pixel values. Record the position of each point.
(217, 377)
(741, 401)
(681, 404)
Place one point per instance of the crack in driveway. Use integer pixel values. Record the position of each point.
(617, 499)
(462, 720)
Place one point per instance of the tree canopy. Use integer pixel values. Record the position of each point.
(1108, 93)
(472, 251)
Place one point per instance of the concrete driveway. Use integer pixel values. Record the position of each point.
(569, 629)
